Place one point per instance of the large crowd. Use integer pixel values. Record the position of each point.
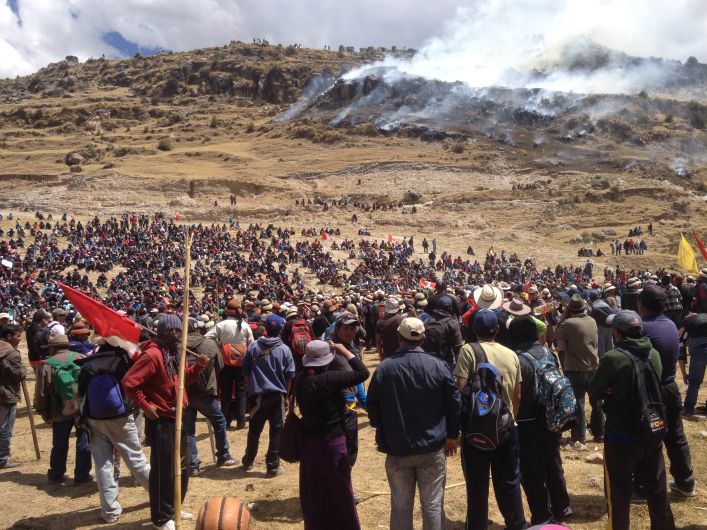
(495, 357)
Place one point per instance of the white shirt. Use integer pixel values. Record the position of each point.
(227, 332)
(55, 328)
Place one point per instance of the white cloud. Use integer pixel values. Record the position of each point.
(52, 29)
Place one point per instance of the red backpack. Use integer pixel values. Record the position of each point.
(301, 336)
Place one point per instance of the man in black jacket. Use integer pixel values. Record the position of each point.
(203, 397)
(414, 404)
(40, 319)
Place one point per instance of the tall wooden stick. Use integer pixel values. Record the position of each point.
(31, 420)
(180, 387)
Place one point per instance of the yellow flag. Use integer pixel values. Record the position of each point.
(686, 256)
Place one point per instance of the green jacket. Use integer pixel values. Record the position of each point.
(613, 382)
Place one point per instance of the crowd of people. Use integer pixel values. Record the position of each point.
(496, 358)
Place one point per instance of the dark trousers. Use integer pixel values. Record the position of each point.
(232, 377)
(675, 440)
(208, 405)
(505, 473)
(271, 408)
(541, 473)
(623, 460)
(61, 430)
(351, 426)
(580, 385)
(160, 435)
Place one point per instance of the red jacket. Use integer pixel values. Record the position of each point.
(147, 383)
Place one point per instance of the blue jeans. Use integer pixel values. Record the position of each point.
(580, 386)
(8, 412)
(121, 434)
(359, 396)
(61, 430)
(209, 407)
(695, 376)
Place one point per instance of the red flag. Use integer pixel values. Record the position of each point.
(700, 244)
(177, 217)
(390, 238)
(427, 285)
(118, 330)
(527, 287)
(325, 236)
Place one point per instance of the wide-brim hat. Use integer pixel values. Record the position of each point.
(703, 273)
(504, 286)
(633, 283)
(488, 297)
(577, 303)
(516, 306)
(609, 287)
(317, 353)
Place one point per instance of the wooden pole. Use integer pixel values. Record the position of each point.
(213, 441)
(180, 387)
(31, 420)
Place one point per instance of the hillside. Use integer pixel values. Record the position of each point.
(276, 124)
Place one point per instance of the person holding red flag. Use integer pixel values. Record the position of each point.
(151, 383)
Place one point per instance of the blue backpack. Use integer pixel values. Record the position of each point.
(553, 391)
(100, 384)
(489, 419)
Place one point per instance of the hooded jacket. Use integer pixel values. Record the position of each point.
(12, 372)
(269, 365)
(613, 382)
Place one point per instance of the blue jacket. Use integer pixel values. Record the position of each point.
(664, 337)
(271, 372)
(414, 403)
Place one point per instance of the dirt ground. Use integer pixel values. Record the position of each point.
(29, 503)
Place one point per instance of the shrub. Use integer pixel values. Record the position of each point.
(458, 148)
(250, 127)
(165, 144)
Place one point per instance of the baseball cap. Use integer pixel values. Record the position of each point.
(317, 353)
(4, 315)
(412, 329)
(485, 321)
(58, 312)
(273, 325)
(346, 318)
(625, 321)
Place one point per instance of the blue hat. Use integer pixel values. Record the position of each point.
(168, 321)
(274, 325)
(485, 321)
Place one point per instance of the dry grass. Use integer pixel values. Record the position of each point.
(28, 503)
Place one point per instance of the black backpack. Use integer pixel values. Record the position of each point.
(647, 408)
(489, 420)
(42, 337)
(437, 338)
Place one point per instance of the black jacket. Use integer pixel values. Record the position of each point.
(414, 403)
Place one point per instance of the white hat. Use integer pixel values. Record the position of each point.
(488, 297)
(317, 353)
(412, 329)
(392, 305)
(5, 315)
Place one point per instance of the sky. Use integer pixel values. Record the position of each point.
(36, 32)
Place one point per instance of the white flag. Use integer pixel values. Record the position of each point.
(7, 263)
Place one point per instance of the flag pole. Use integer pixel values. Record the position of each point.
(180, 387)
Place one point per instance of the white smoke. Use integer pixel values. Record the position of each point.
(568, 45)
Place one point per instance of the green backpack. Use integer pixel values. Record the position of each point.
(64, 384)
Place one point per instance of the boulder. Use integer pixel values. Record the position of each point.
(599, 236)
(75, 169)
(74, 159)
